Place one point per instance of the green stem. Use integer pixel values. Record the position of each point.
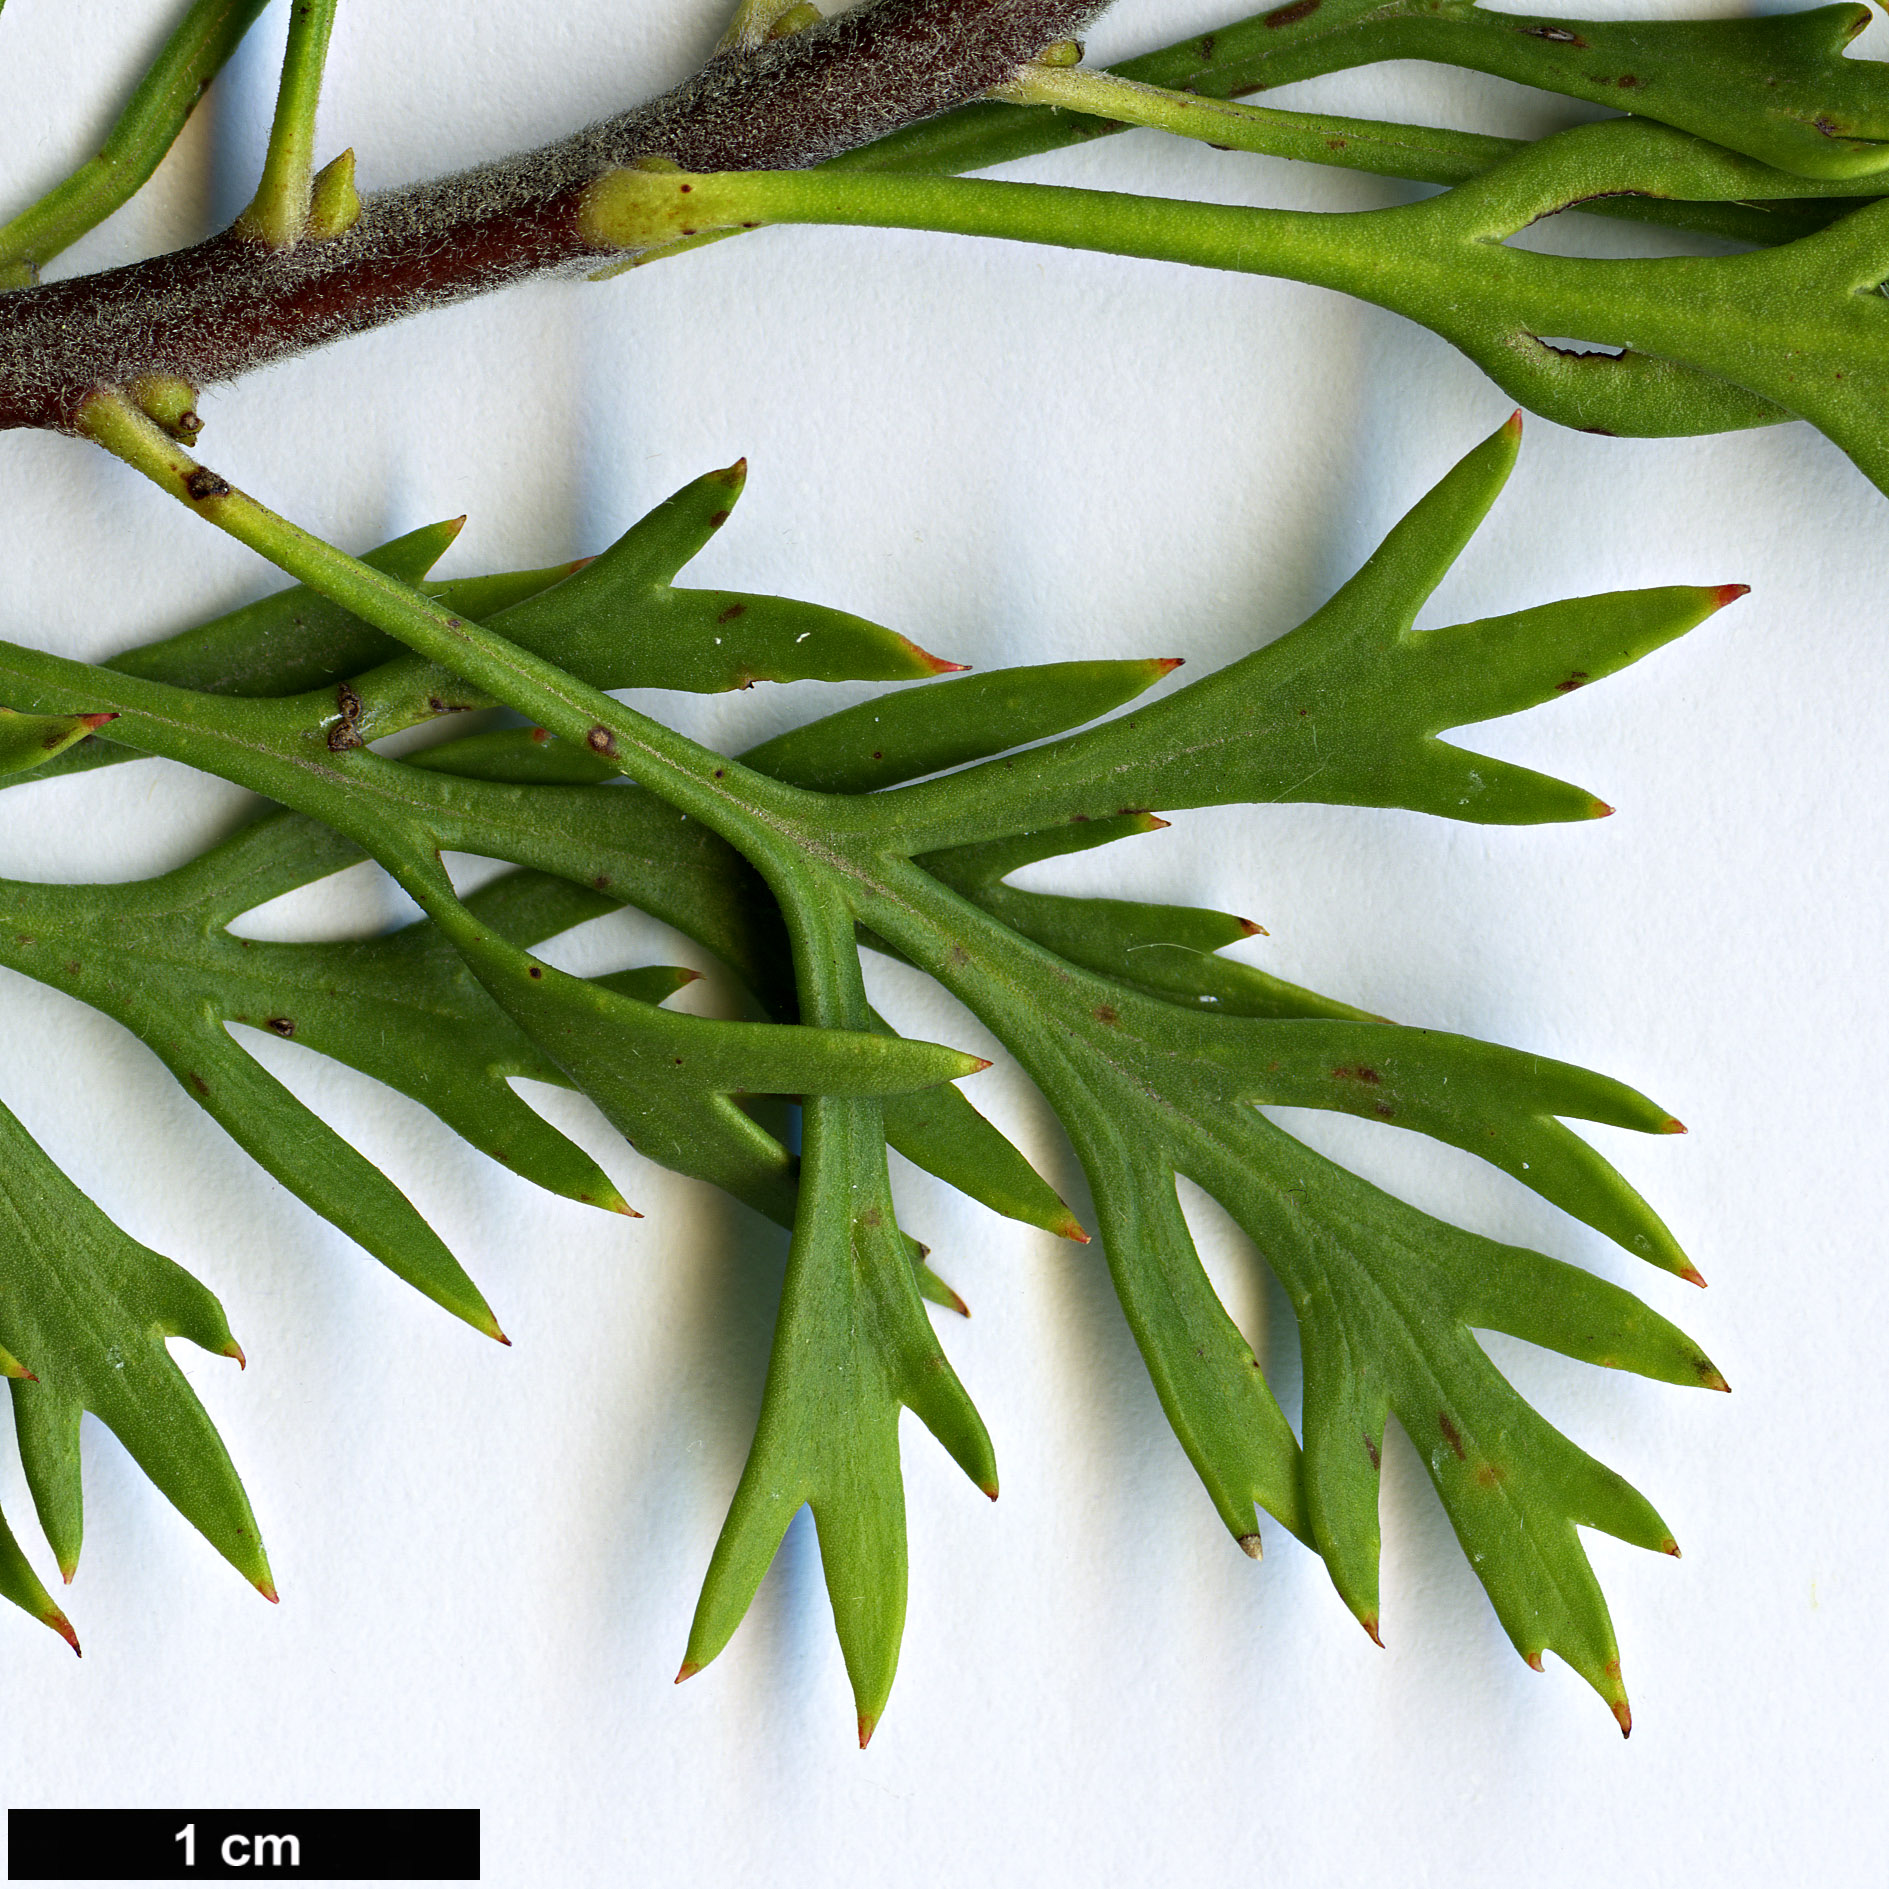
(278, 216)
(146, 129)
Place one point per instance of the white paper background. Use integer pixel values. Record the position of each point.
(488, 1558)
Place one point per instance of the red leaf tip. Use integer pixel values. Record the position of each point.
(1533, 1661)
(957, 1303)
(98, 721)
(1250, 1546)
(1598, 810)
(1070, 1228)
(1729, 593)
(990, 1489)
(934, 665)
(266, 1588)
(1692, 1275)
(1248, 929)
(1369, 1623)
(1672, 1125)
(1166, 665)
(234, 1350)
(868, 1723)
(1671, 1547)
(735, 476)
(688, 1670)
(1625, 1716)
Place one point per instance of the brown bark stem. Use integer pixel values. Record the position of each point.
(217, 310)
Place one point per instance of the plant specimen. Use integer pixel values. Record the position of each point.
(899, 824)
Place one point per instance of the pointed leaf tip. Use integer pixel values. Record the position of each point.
(234, 1350)
(1729, 593)
(98, 721)
(1513, 424)
(868, 1723)
(1599, 810)
(1671, 1547)
(1369, 1623)
(266, 1588)
(688, 1669)
(1533, 1662)
(934, 665)
(735, 476)
(1070, 1228)
(1693, 1276)
(63, 1627)
(1250, 1546)
(1672, 1125)
(1625, 1716)
(990, 1489)
(1166, 665)
(1250, 930)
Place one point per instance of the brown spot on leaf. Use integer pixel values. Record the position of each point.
(1104, 1013)
(1291, 15)
(1451, 1435)
(1559, 34)
(1627, 82)
(198, 1083)
(345, 733)
(1371, 1450)
(720, 518)
(201, 483)
(601, 741)
(282, 1026)
(536, 971)
(601, 880)
(1573, 682)
(1490, 1474)
(734, 610)
(1206, 46)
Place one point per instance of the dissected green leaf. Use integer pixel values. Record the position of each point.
(1668, 346)
(86, 1310)
(1347, 709)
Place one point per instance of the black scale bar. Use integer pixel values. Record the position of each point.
(188, 1845)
